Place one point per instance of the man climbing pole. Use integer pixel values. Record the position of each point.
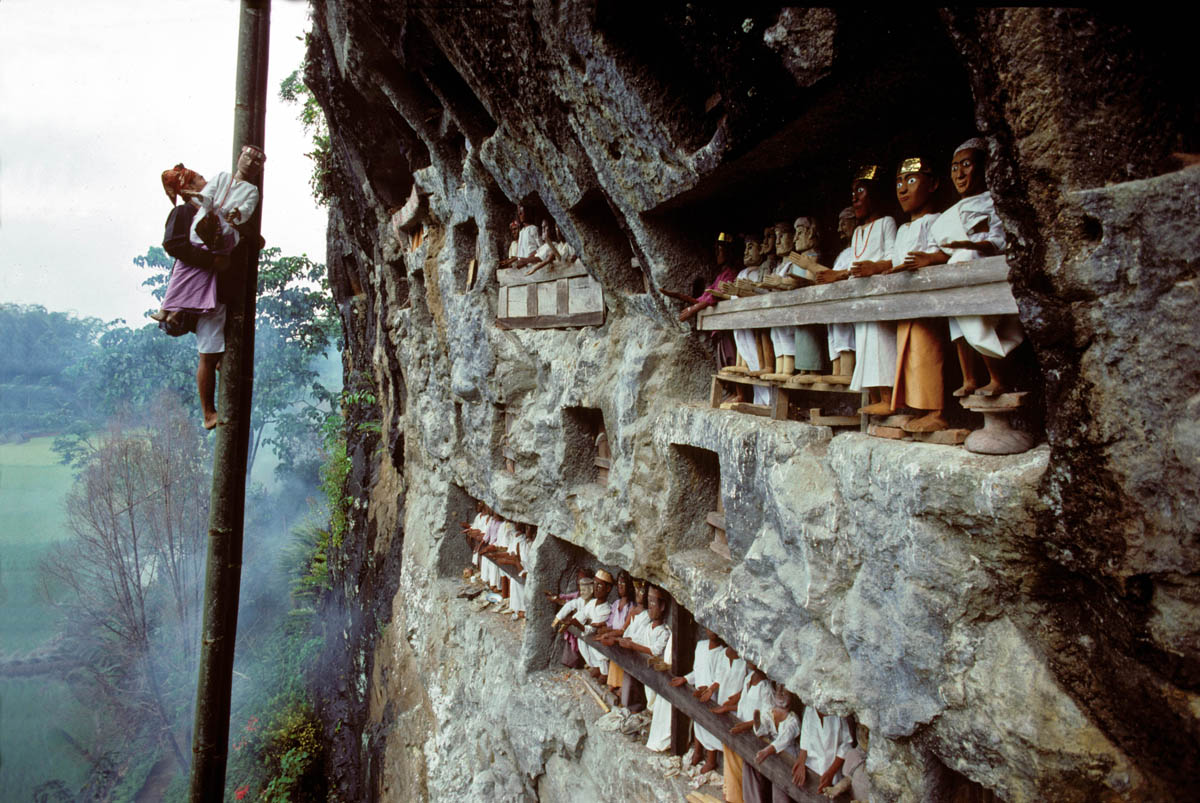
(210, 743)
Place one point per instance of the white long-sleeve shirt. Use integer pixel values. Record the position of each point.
(824, 741)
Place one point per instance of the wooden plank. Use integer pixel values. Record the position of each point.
(742, 379)
(554, 321)
(778, 769)
(992, 270)
(510, 277)
(562, 297)
(547, 298)
(518, 303)
(716, 519)
(778, 404)
(981, 299)
(602, 462)
(531, 301)
(502, 303)
(714, 395)
(815, 416)
(586, 295)
(946, 437)
(1005, 401)
(748, 408)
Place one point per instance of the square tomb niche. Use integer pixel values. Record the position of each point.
(464, 239)
(453, 549)
(694, 495)
(587, 457)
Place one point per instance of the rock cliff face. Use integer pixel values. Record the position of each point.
(1029, 623)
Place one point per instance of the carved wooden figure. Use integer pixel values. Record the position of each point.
(704, 677)
(782, 338)
(871, 250)
(920, 343)
(723, 272)
(808, 340)
(839, 337)
(968, 230)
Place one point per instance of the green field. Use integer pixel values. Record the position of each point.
(33, 488)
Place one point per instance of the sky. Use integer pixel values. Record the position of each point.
(96, 100)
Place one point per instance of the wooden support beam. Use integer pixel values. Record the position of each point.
(222, 584)
(683, 651)
(979, 287)
(777, 769)
(554, 321)
(512, 277)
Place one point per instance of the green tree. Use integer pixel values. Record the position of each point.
(296, 323)
(127, 580)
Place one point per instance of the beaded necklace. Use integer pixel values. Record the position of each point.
(866, 239)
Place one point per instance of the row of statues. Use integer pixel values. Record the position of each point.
(632, 614)
(636, 619)
(898, 362)
(496, 543)
(536, 247)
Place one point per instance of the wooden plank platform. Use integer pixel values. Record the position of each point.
(544, 301)
(512, 277)
(775, 409)
(979, 287)
(778, 769)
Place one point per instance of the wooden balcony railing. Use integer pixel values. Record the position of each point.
(979, 287)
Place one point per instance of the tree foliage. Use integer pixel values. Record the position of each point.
(127, 580)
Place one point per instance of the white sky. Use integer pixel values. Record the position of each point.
(96, 100)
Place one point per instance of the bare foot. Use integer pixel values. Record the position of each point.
(878, 408)
(992, 388)
(210, 420)
(930, 422)
(966, 390)
(697, 754)
(711, 763)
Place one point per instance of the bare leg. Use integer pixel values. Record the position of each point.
(998, 384)
(206, 383)
(966, 361)
(710, 761)
(882, 404)
(697, 752)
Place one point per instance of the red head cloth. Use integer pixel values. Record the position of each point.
(178, 178)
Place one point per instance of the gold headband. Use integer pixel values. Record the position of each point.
(867, 173)
(724, 238)
(913, 165)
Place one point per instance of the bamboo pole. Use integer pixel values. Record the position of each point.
(222, 582)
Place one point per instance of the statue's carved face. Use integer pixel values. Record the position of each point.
(249, 164)
(846, 224)
(586, 588)
(622, 587)
(806, 234)
(784, 239)
(914, 191)
(768, 240)
(860, 200)
(966, 171)
(657, 605)
(753, 253)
